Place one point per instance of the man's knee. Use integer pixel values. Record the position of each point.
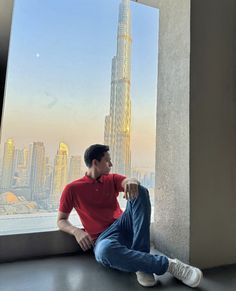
(143, 189)
(103, 250)
(143, 192)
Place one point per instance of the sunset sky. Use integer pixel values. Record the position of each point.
(59, 73)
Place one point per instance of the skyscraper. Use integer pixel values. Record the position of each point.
(60, 173)
(20, 171)
(8, 162)
(75, 168)
(29, 162)
(48, 176)
(37, 171)
(118, 122)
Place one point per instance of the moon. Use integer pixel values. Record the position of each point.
(37, 55)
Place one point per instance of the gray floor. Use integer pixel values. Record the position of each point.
(83, 273)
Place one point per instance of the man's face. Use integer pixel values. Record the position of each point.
(104, 166)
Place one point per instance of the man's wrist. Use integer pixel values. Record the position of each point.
(75, 230)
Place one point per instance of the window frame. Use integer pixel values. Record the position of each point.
(6, 11)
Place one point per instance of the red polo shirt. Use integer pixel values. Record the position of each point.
(95, 201)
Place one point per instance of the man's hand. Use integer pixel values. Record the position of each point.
(83, 238)
(130, 186)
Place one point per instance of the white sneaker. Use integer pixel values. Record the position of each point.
(189, 275)
(145, 279)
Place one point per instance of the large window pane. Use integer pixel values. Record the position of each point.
(79, 72)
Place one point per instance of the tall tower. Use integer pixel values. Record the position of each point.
(8, 162)
(60, 173)
(37, 171)
(118, 122)
(75, 168)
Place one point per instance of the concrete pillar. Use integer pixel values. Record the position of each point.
(172, 213)
(195, 201)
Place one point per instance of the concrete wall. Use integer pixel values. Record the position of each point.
(172, 214)
(213, 133)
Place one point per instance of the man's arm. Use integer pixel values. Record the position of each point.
(82, 237)
(64, 224)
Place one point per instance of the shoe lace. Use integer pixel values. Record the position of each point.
(182, 271)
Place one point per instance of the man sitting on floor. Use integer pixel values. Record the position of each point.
(120, 240)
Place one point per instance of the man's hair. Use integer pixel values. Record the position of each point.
(95, 151)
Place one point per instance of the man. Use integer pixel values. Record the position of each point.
(119, 240)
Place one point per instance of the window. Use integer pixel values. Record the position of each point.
(77, 75)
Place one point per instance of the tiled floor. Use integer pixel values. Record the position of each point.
(83, 273)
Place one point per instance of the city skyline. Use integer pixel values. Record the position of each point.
(51, 158)
(34, 185)
(51, 115)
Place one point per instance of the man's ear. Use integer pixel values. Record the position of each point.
(94, 162)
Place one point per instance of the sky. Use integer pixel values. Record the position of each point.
(59, 73)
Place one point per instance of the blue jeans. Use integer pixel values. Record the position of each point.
(125, 245)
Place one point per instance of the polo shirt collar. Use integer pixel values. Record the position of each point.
(91, 180)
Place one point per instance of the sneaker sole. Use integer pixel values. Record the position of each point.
(199, 280)
(147, 285)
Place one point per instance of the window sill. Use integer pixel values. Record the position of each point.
(35, 238)
(25, 236)
(32, 223)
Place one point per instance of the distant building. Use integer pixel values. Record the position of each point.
(20, 172)
(29, 161)
(24, 191)
(60, 174)
(12, 204)
(75, 170)
(21, 158)
(37, 171)
(118, 122)
(48, 177)
(7, 164)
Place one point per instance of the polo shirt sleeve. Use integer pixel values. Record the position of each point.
(66, 201)
(117, 181)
